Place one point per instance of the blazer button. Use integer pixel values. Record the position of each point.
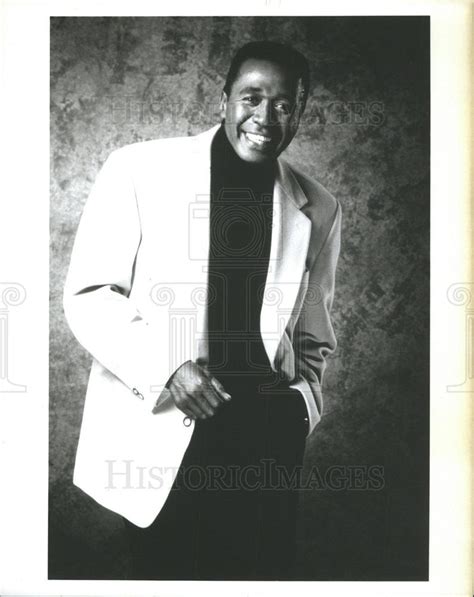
(137, 394)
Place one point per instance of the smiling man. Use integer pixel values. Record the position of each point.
(233, 418)
(262, 106)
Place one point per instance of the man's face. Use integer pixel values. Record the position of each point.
(263, 110)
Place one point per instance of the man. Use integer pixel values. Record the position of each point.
(232, 393)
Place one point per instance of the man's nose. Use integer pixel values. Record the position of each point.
(263, 113)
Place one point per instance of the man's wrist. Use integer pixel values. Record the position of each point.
(170, 379)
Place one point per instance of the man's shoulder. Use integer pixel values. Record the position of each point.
(153, 147)
(320, 201)
(145, 155)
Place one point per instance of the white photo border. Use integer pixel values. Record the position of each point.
(24, 245)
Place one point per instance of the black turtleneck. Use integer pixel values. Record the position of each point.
(241, 228)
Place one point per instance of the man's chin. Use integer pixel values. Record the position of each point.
(255, 155)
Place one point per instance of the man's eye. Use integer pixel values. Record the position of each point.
(283, 107)
(251, 100)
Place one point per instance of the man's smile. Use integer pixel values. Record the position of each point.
(258, 141)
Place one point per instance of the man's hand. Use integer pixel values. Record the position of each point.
(196, 392)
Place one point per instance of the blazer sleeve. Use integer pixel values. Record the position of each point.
(314, 338)
(96, 297)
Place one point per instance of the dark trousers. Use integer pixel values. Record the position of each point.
(231, 513)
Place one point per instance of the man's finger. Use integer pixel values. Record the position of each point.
(211, 396)
(195, 406)
(216, 384)
(184, 402)
(200, 399)
(189, 413)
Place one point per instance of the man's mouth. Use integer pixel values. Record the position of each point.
(257, 140)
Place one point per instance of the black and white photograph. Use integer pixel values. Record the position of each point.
(240, 232)
(236, 337)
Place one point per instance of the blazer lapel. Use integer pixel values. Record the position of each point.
(199, 232)
(289, 246)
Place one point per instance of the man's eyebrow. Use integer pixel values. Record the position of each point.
(259, 90)
(250, 90)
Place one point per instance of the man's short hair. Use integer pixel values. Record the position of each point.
(272, 51)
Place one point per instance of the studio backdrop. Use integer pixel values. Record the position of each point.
(365, 136)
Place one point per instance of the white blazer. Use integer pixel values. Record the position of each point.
(135, 298)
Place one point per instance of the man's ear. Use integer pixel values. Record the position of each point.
(223, 105)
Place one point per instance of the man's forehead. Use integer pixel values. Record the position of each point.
(258, 74)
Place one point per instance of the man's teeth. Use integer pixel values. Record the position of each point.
(259, 139)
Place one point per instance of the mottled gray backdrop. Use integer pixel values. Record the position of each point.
(365, 136)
